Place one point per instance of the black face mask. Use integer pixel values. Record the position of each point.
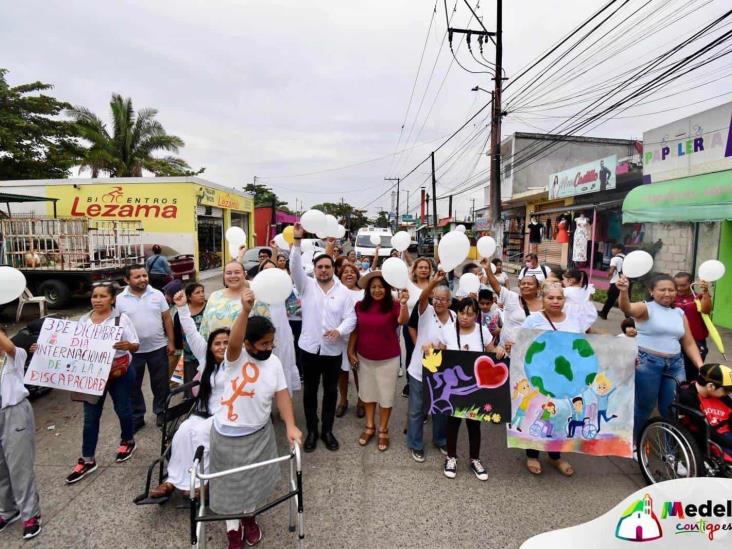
(259, 355)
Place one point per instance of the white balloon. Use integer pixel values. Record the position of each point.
(460, 228)
(711, 270)
(469, 284)
(486, 246)
(281, 242)
(272, 286)
(234, 250)
(341, 232)
(322, 235)
(637, 263)
(400, 241)
(307, 245)
(313, 221)
(395, 272)
(12, 284)
(375, 239)
(236, 236)
(453, 249)
(331, 226)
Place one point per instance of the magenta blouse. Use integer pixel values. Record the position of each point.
(377, 332)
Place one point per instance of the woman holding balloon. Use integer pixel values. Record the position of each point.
(663, 332)
(349, 277)
(374, 347)
(223, 306)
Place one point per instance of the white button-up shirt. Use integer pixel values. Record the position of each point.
(322, 311)
(146, 312)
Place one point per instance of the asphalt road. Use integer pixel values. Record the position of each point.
(356, 497)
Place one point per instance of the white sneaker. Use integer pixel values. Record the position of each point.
(450, 468)
(477, 467)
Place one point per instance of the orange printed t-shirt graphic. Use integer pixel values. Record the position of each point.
(239, 388)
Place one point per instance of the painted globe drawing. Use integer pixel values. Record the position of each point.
(560, 364)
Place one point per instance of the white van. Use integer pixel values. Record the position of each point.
(364, 247)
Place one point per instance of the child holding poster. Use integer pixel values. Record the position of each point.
(469, 335)
(119, 385)
(18, 493)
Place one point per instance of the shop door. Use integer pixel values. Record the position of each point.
(210, 242)
(723, 288)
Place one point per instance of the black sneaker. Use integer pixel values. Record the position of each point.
(405, 391)
(450, 469)
(418, 455)
(82, 469)
(125, 450)
(4, 523)
(32, 527)
(477, 467)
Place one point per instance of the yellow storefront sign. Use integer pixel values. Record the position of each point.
(160, 208)
(206, 196)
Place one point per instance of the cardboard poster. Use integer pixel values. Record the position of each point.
(572, 393)
(73, 356)
(467, 385)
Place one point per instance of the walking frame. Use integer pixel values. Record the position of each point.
(199, 517)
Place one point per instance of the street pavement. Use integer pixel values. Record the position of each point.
(356, 497)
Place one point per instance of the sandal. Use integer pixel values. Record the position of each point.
(341, 409)
(384, 440)
(367, 435)
(563, 467)
(533, 465)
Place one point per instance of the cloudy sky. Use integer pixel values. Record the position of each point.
(310, 96)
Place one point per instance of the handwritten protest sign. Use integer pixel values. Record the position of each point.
(572, 393)
(467, 385)
(73, 356)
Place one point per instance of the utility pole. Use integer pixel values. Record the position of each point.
(397, 179)
(472, 212)
(496, 112)
(449, 207)
(495, 194)
(434, 205)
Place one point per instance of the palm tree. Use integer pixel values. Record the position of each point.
(130, 147)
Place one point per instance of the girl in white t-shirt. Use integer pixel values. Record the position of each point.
(469, 335)
(242, 431)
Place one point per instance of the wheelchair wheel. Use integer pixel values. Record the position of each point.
(667, 450)
(589, 431)
(535, 430)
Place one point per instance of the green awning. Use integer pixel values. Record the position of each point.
(705, 197)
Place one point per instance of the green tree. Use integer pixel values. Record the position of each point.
(34, 142)
(264, 197)
(130, 148)
(382, 219)
(346, 214)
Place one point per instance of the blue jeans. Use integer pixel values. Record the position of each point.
(157, 363)
(652, 388)
(415, 423)
(121, 391)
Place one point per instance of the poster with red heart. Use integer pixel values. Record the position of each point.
(466, 385)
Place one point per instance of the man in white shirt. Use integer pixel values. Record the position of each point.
(616, 269)
(149, 312)
(532, 268)
(328, 317)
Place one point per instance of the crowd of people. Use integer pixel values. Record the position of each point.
(342, 317)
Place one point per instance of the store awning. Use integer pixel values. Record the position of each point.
(705, 197)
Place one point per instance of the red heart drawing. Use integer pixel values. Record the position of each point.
(488, 374)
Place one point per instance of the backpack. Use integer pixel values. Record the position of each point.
(522, 272)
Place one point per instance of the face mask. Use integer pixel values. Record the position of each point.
(260, 355)
(365, 265)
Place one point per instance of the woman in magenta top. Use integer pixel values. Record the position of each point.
(374, 349)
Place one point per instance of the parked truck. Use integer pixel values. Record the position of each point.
(64, 257)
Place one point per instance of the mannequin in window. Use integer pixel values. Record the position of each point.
(562, 229)
(534, 230)
(581, 236)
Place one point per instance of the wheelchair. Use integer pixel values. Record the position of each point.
(199, 515)
(681, 446)
(173, 416)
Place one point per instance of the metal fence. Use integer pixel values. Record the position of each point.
(47, 243)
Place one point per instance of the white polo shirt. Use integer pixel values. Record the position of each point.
(145, 312)
(12, 371)
(322, 311)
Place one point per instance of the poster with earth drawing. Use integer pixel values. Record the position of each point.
(572, 393)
